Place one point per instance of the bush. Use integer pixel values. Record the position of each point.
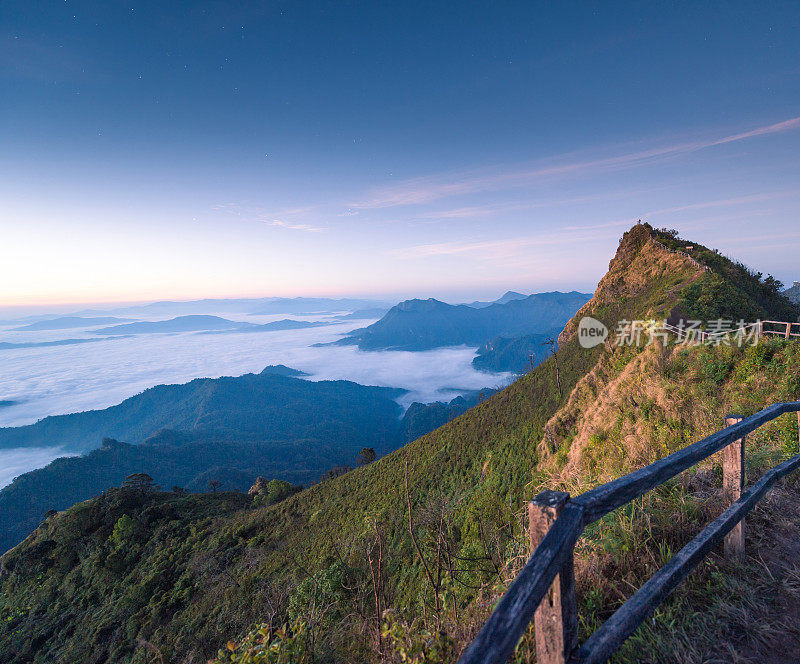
(277, 490)
(286, 645)
(124, 531)
(415, 644)
(320, 596)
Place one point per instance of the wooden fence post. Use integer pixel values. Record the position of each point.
(556, 619)
(732, 487)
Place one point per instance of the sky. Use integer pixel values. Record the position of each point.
(180, 150)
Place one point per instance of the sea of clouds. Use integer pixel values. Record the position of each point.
(55, 380)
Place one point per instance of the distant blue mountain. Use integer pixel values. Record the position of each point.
(423, 324)
(364, 314)
(517, 354)
(179, 324)
(508, 296)
(282, 370)
(274, 326)
(273, 405)
(300, 305)
(200, 323)
(69, 322)
(10, 345)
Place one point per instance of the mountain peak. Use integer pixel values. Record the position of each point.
(640, 263)
(282, 370)
(508, 296)
(418, 304)
(657, 275)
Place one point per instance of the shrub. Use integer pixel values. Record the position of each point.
(320, 596)
(124, 531)
(286, 645)
(276, 491)
(415, 644)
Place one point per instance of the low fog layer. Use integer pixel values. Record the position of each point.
(63, 379)
(18, 461)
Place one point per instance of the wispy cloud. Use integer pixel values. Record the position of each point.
(723, 202)
(758, 239)
(503, 208)
(294, 227)
(478, 211)
(427, 189)
(261, 215)
(571, 235)
(503, 249)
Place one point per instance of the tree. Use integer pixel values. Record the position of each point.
(335, 472)
(139, 482)
(277, 490)
(215, 484)
(366, 456)
(124, 531)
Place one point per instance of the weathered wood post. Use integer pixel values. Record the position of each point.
(732, 487)
(556, 619)
(788, 331)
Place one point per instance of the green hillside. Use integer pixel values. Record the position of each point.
(161, 577)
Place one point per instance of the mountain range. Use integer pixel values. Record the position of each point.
(508, 296)
(204, 323)
(255, 305)
(250, 407)
(416, 325)
(10, 345)
(68, 322)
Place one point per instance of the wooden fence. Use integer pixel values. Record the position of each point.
(556, 521)
(757, 330)
(785, 330)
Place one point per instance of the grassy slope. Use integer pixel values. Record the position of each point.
(648, 405)
(487, 462)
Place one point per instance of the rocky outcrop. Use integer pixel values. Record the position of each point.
(259, 488)
(644, 277)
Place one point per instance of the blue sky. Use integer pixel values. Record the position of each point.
(193, 149)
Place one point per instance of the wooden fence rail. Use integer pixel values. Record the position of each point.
(785, 333)
(556, 523)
